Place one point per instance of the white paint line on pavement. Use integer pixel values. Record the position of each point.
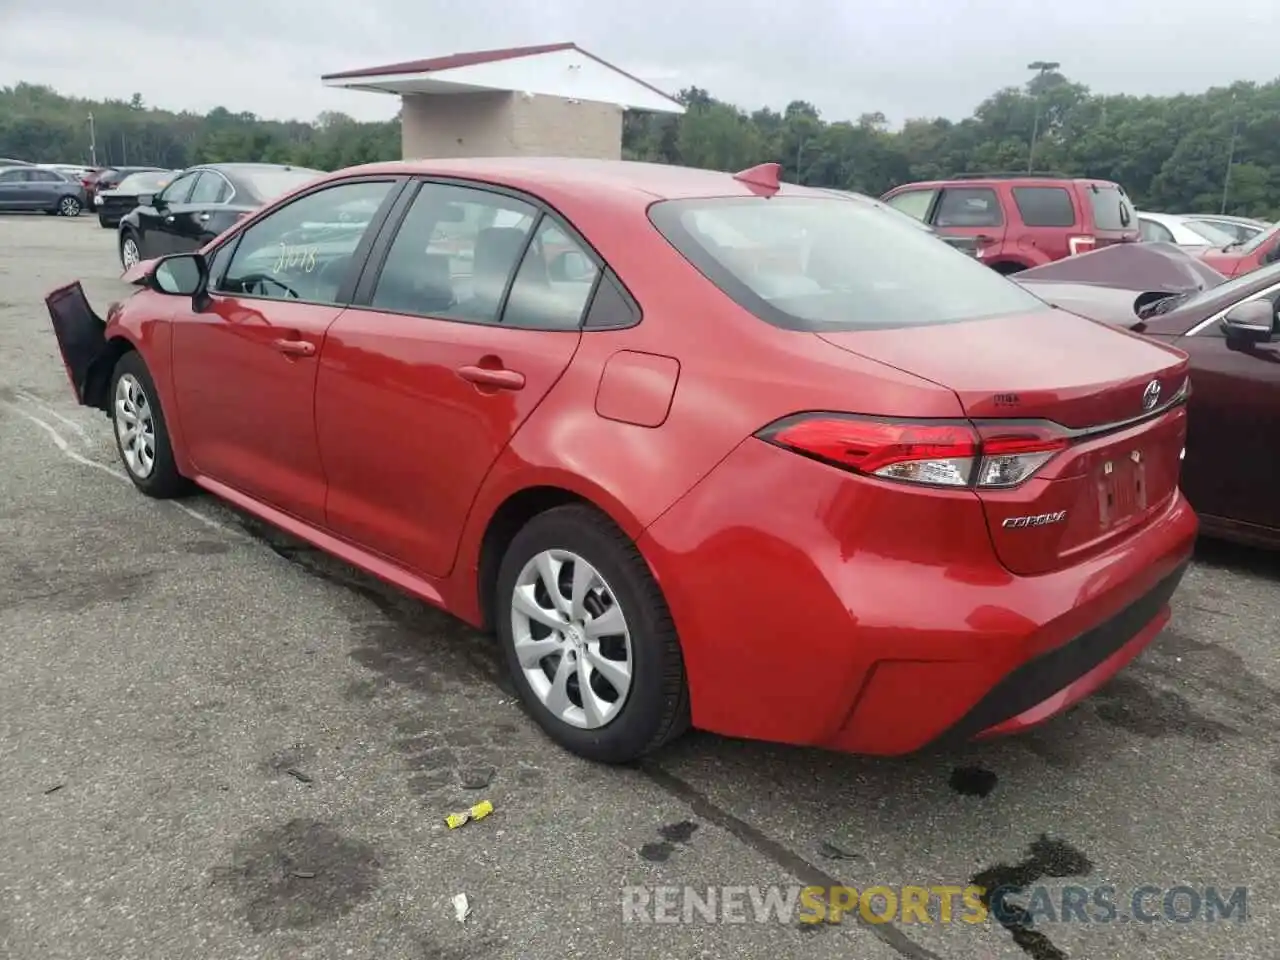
(61, 443)
(79, 430)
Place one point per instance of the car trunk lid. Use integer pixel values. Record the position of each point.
(1109, 403)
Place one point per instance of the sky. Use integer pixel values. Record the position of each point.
(905, 58)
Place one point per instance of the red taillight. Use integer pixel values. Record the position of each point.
(946, 454)
(1081, 244)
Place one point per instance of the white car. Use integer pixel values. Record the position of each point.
(1240, 228)
(1182, 231)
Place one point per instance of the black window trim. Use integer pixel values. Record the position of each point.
(371, 271)
(359, 257)
(937, 205)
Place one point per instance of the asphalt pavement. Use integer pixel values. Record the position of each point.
(217, 743)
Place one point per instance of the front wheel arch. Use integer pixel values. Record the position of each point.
(97, 384)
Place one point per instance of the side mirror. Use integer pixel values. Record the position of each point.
(1250, 323)
(180, 275)
(570, 266)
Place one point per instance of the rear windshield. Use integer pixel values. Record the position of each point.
(150, 182)
(269, 184)
(828, 264)
(1111, 207)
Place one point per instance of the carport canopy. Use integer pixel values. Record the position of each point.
(561, 70)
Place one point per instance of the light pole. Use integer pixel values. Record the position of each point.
(1231, 154)
(1041, 67)
(93, 143)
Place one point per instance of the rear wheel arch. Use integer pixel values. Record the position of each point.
(512, 515)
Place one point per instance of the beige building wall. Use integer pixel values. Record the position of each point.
(507, 125)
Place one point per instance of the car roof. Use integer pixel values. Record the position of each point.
(619, 179)
(1160, 217)
(1017, 179)
(248, 167)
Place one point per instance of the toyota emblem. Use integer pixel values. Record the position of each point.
(1151, 395)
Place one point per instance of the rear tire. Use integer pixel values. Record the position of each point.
(69, 207)
(142, 436)
(616, 725)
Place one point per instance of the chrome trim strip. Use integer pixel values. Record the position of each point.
(1082, 433)
(1217, 317)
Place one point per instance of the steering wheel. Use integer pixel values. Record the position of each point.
(263, 279)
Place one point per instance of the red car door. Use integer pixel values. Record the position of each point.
(1231, 470)
(244, 366)
(425, 380)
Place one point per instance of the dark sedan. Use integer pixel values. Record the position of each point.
(114, 203)
(34, 188)
(200, 204)
(110, 178)
(1231, 331)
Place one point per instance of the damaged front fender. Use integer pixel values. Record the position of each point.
(88, 355)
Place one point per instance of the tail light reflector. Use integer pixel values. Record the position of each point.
(932, 453)
(1081, 244)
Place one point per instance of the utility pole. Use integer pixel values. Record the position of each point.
(1041, 67)
(93, 143)
(1231, 154)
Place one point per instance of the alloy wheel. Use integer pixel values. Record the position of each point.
(69, 207)
(129, 255)
(571, 639)
(135, 426)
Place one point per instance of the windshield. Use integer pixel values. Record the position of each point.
(1211, 234)
(825, 264)
(269, 184)
(150, 182)
(1253, 244)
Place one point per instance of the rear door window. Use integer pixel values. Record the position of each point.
(968, 207)
(1045, 206)
(1111, 207)
(1153, 232)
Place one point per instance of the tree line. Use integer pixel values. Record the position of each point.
(1186, 153)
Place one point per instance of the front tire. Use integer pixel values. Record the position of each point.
(130, 252)
(69, 207)
(142, 436)
(588, 639)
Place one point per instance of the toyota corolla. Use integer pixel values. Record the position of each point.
(702, 449)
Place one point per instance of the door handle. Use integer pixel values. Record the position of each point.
(296, 348)
(486, 377)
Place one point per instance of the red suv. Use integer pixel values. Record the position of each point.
(1022, 220)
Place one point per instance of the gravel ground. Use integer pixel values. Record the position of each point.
(216, 743)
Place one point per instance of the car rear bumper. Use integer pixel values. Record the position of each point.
(819, 608)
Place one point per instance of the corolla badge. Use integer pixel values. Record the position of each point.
(1151, 395)
(1038, 520)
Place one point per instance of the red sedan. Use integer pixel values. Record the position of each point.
(701, 449)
